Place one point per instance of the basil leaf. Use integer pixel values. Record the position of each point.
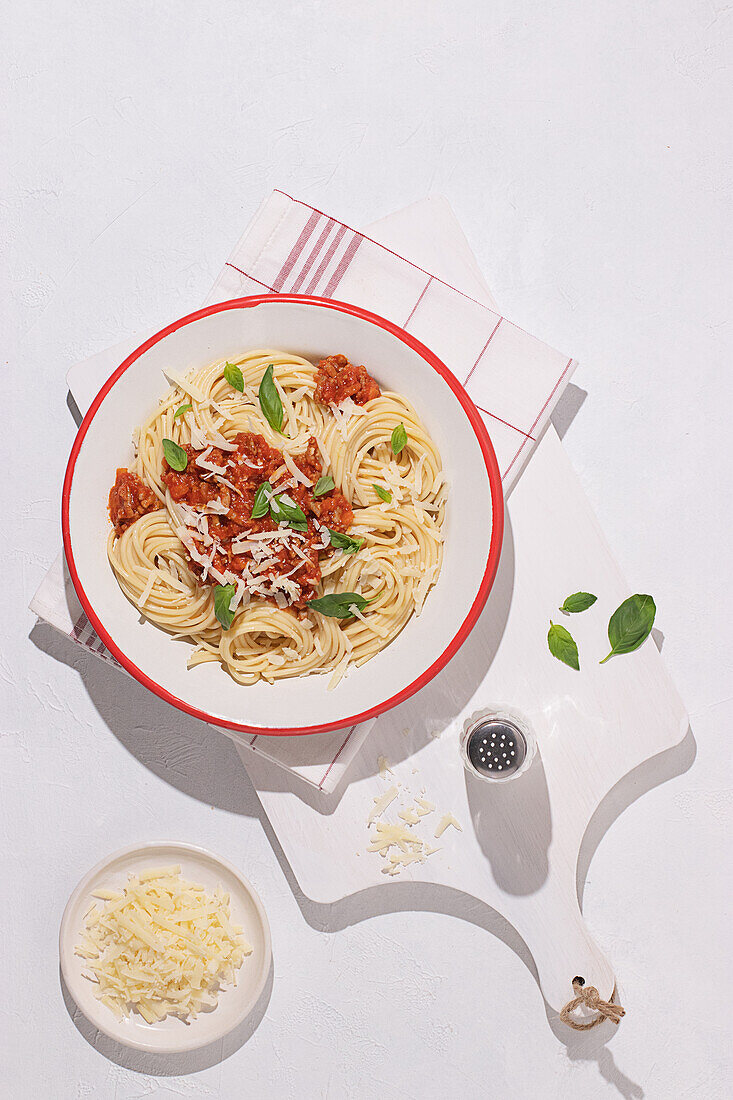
(223, 594)
(323, 485)
(383, 494)
(562, 645)
(181, 410)
(631, 624)
(283, 509)
(579, 601)
(261, 504)
(270, 403)
(399, 439)
(337, 604)
(234, 377)
(175, 456)
(344, 542)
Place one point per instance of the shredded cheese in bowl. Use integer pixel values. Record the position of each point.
(161, 946)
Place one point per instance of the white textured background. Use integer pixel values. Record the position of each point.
(586, 149)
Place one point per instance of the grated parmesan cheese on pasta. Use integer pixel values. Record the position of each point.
(229, 484)
(197, 435)
(417, 486)
(297, 473)
(147, 589)
(216, 407)
(183, 384)
(204, 463)
(325, 457)
(341, 670)
(224, 444)
(344, 413)
(422, 589)
(161, 946)
(378, 630)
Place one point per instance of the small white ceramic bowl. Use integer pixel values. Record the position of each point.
(172, 1035)
(473, 527)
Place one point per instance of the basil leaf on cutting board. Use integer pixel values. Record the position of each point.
(270, 403)
(399, 439)
(579, 601)
(383, 494)
(261, 503)
(234, 377)
(337, 604)
(175, 456)
(182, 409)
(223, 594)
(324, 485)
(562, 645)
(630, 625)
(343, 542)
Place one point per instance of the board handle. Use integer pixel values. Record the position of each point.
(562, 946)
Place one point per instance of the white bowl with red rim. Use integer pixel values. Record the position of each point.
(473, 528)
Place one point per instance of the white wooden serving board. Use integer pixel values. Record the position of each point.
(519, 847)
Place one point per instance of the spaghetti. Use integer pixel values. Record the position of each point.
(283, 517)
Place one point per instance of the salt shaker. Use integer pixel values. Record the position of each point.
(497, 744)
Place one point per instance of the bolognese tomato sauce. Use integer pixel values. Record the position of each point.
(337, 379)
(129, 498)
(230, 480)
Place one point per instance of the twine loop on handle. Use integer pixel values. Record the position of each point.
(588, 995)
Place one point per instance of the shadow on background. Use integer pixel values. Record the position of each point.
(169, 1065)
(188, 754)
(73, 408)
(567, 408)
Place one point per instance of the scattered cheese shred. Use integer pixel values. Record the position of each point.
(161, 946)
(445, 821)
(398, 842)
(399, 846)
(388, 834)
(381, 802)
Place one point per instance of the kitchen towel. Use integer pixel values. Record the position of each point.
(290, 247)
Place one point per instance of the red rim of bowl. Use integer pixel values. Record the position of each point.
(497, 509)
